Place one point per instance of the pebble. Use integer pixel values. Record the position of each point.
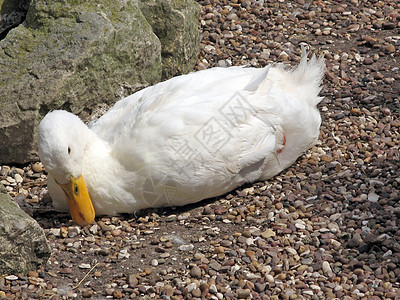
(195, 272)
(243, 293)
(185, 248)
(326, 268)
(37, 167)
(84, 266)
(372, 197)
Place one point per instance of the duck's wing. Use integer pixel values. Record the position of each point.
(192, 94)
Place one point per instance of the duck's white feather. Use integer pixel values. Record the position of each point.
(194, 136)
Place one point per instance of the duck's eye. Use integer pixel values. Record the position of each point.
(76, 190)
(69, 150)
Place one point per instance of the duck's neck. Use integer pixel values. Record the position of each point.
(108, 182)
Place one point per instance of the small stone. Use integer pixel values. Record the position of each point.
(87, 293)
(11, 277)
(267, 234)
(195, 272)
(55, 231)
(219, 249)
(368, 61)
(73, 231)
(243, 293)
(213, 289)
(390, 48)
(185, 248)
(372, 197)
(154, 262)
(326, 268)
(132, 281)
(37, 167)
(355, 112)
(207, 210)
(116, 232)
(18, 178)
(270, 278)
(117, 294)
(84, 266)
(66, 271)
(148, 271)
(33, 274)
(94, 229)
(359, 272)
(259, 287)
(191, 286)
(97, 274)
(196, 293)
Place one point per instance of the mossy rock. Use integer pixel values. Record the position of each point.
(78, 55)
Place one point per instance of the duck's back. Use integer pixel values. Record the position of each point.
(203, 134)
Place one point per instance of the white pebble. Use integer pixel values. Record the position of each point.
(154, 262)
(213, 289)
(190, 287)
(372, 197)
(269, 278)
(84, 266)
(73, 231)
(326, 268)
(290, 250)
(94, 229)
(55, 231)
(186, 247)
(18, 178)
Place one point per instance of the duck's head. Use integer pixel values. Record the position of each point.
(63, 138)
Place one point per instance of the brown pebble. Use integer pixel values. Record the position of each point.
(116, 232)
(87, 293)
(196, 293)
(66, 271)
(390, 48)
(33, 274)
(203, 287)
(36, 167)
(97, 274)
(355, 112)
(132, 280)
(368, 61)
(195, 272)
(243, 293)
(118, 294)
(358, 272)
(169, 290)
(168, 245)
(219, 249)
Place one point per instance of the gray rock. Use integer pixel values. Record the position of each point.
(23, 243)
(176, 25)
(81, 57)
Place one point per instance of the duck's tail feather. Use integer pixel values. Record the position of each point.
(308, 75)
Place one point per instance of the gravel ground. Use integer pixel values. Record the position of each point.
(328, 227)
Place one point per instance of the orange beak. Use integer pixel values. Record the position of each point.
(79, 201)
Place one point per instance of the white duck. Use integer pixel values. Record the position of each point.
(189, 138)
